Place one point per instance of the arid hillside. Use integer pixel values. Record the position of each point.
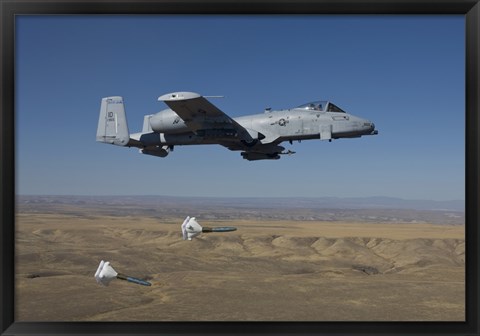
(267, 270)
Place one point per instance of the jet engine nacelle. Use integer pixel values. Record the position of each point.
(167, 121)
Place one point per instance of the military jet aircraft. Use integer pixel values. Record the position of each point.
(193, 120)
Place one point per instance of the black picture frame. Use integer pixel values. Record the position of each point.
(11, 8)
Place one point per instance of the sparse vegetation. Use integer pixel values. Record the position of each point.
(269, 269)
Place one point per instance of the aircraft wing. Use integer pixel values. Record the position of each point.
(197, 112)
(202, 116)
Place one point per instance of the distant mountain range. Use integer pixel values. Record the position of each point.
(371, 209)
(380, 203)
(258, 202)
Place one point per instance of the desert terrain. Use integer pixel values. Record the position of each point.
(270, 269)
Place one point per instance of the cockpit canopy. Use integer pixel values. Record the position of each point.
(321, 105)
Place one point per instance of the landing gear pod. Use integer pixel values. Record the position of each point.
(191, 228)
(105, 274)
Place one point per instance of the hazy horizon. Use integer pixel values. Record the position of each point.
(281, 206)
(244, 197)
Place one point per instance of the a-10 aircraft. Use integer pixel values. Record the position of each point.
(192, 120)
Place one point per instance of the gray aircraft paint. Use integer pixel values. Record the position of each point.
(192, 120)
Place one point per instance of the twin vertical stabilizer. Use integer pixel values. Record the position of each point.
(112, 122)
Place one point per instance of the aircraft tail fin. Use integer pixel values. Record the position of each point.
(112, 122)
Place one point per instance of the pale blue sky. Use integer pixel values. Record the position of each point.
(405, 73)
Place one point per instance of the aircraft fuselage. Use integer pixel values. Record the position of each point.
(277, 126)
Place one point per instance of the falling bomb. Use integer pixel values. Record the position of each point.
(106, 273)
(191, 228)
